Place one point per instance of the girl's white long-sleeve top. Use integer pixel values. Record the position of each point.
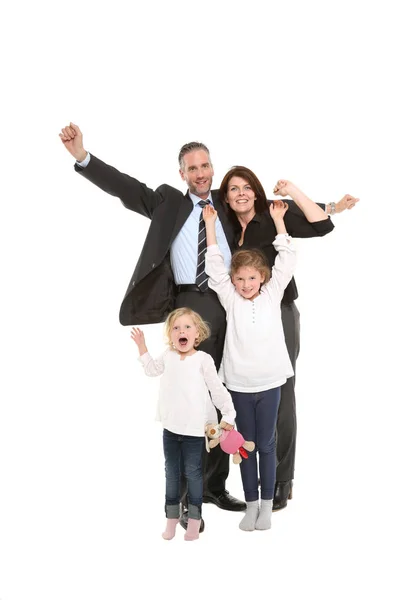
(255, 356)
(184, 403)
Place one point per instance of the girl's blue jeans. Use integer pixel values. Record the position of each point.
(183, 454)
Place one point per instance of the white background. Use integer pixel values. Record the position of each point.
(298, 90)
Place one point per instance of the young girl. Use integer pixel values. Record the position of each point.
(255, 362)
(184, 408)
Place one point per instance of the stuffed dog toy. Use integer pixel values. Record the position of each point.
(231, 442)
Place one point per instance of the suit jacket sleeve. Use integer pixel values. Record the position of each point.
(134, 195)
(298, 226)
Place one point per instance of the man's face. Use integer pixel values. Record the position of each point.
(197, 173)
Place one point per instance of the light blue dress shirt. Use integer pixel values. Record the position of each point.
(84, 163)
(184, 246)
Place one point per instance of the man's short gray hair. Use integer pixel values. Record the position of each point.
(189, 148)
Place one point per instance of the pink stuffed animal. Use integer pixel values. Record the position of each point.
(232, 442)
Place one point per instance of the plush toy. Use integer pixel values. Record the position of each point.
(232, 442)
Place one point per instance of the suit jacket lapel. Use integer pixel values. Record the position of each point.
(184, 210)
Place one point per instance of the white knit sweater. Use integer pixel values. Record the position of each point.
(184, 404)
(255, 355)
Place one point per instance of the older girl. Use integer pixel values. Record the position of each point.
(255, 361)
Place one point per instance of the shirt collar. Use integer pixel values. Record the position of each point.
(195, 199)
(257, 218)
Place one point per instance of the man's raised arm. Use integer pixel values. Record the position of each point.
(133, 194)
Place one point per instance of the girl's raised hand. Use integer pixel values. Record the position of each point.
(278, 209)
(209, 214)
(138, 336)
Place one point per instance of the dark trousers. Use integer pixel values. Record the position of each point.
(287, 425)
(256, 415)
(215, 463)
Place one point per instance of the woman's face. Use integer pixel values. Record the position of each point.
(240, 197)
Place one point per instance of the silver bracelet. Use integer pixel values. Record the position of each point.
(333, 208)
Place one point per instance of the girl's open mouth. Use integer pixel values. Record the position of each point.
(183, 341)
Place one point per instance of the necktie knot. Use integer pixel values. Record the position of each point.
(203, 203)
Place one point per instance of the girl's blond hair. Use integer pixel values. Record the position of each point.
(201, 326)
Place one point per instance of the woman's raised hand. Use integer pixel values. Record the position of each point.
(283, 188)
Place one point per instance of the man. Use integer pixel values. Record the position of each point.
(169, 273)
(165, 275)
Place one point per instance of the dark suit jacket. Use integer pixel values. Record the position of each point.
(151, 291)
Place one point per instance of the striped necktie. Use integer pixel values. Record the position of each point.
(201, 276)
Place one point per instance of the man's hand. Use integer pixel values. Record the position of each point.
(225, 425)
(284, 188)
(346, 203)
(71, 137)
(209, 214)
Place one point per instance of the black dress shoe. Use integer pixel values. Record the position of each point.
(224, 501)
(183, 521)
(283, 493)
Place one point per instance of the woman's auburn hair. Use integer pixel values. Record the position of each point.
(201, 326)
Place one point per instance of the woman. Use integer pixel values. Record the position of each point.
(248, 208)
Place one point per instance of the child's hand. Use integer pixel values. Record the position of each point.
(225, 425)
(209, 214)
(278, 209)
(138, 337)
(283, 188)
